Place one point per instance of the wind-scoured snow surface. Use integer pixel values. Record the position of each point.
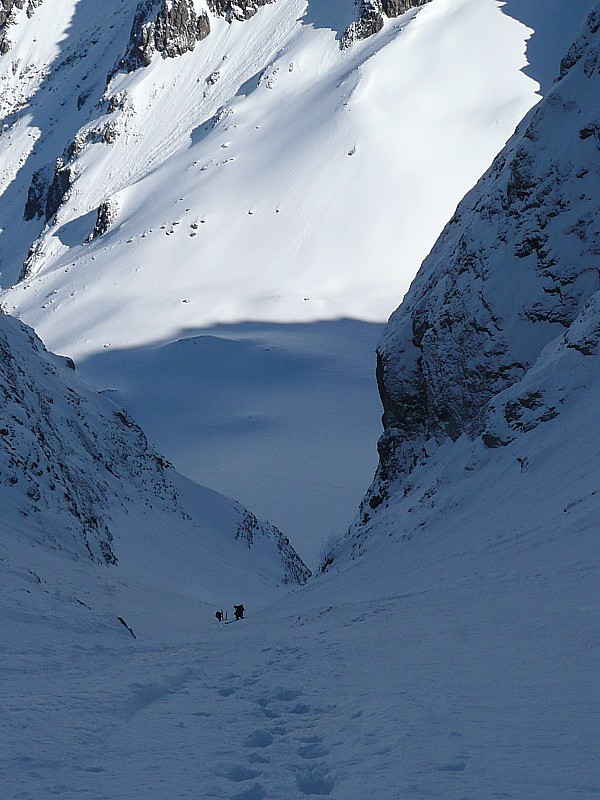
(264, 178)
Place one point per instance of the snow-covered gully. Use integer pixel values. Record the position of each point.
(216, 246)
(463, 689)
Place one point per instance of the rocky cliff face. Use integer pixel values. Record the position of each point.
(72, 464)
(371, 14)
(510, 289)
(64, 455)
(168, 27)
(240, 10)
(8, 12)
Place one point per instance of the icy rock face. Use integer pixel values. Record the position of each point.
(47, 192)
(35, 207)
(57, 192)
(168, 27)
(583, 48)
(8, 10)
(240, 10)
(371, 14)
(514, 278)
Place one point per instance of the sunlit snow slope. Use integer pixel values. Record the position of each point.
(488, 371)
(266, 177)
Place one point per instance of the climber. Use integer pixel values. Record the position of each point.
(238, 611)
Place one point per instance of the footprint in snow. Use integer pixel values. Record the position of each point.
(263, 703)
(259, 738)
(313, 750)
(315, 781)
(257, 758)
(287, 694)
(241, 773)
(300, 708)
(255, 792)
(312, 747)
(227, 692)
(269, 713)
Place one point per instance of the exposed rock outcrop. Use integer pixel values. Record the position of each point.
(48, 190)
(59, 458)
(237, 10)
(371, 14)
(581, 48)
(74, 467)
(57, 192)
(250, 528)
(8, 11)
(168, 27)
(108, 211)
(512, 283)
(35, 207)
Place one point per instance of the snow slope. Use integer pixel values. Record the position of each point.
(451, 649)
(267, 176)
(270, 140)
(282, 417)
(488, 371)
(451, 665)
(88, 505)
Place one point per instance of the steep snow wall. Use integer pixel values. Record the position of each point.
(499, 333)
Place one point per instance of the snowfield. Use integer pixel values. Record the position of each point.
(469, 671)
(266, 177)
